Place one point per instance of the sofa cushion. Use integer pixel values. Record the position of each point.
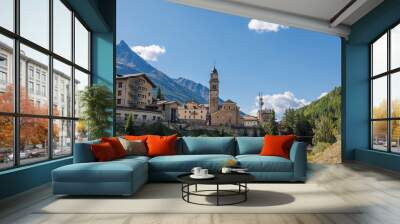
(103, 152)
(249, 145)
(277, 145)
(112, 171)
(135, 137)
(134, 147)
(185, 163)
(132, 158)
(161, 145)
(257, 163)
(116, 145)
(208, 145)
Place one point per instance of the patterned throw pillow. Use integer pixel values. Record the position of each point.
(135, 147)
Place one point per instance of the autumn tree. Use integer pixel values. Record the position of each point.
(379, 128)
(33, 131)
(6, 122)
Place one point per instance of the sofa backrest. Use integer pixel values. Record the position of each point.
(249, 145)
(83, 153)
(207, 145)
(190, 146)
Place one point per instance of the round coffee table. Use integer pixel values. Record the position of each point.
(238, 179)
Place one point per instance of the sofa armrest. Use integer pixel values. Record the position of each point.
(83, 152)
(298, 155)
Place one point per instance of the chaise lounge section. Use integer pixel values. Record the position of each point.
(125, 176)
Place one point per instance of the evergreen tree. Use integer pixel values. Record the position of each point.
(245, 132)
(324, 130)
(303, 126)
(288, 122)
(97, 102)
(295, 122)
(160, 96)
(129, 129)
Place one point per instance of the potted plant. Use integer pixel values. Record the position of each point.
(97, 103)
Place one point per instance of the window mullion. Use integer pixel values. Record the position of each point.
(50, 81)
(16, 85)
(73, 81)
(389, 104)
(19, 43)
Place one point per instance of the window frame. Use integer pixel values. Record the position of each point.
(388, 74)
(16, 114)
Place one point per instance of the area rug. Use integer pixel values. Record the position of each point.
(166, 198)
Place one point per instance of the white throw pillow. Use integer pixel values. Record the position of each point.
(136, 147)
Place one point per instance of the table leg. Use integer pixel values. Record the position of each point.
(245, 193)
(217, 194)
(182, 189)
(195, 188)
(188, 190)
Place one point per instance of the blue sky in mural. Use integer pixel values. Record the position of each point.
(290, 66)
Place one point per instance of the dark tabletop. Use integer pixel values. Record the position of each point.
(220, 178)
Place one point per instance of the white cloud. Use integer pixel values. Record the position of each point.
(322, 95)
(280, 102)
(150, 52)
(261, 26)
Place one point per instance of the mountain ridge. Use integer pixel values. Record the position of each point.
(179, 89)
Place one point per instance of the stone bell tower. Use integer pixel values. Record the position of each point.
(214, 91)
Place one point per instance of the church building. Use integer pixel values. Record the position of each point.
(227, 114)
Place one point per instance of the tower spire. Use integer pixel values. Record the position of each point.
(260, 105)
(214, 91)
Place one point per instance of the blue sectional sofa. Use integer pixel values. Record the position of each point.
(125, 176)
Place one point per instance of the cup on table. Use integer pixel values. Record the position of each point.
(196, 171)
(203, 172)
(226, 170)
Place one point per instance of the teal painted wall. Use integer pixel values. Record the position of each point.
(355, 81)
(24, 178)
(103, 62)
(380, 159)
(99, 15)
(356, 103)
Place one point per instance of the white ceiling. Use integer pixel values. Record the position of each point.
(325, 16)
(321, 9)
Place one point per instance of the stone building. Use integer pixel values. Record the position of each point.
(265, 114)
(139, 115)
(228, 114)
(134, 96)
(249, 121)
(34, 81)
(193, 112)
(134, 90)
(169, 109)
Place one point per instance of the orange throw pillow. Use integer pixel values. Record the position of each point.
(277, 145)
(161, 145)
(136, 137)
(116, 145)
(103, 152)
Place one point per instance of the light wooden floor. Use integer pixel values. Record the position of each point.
(379, 189)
